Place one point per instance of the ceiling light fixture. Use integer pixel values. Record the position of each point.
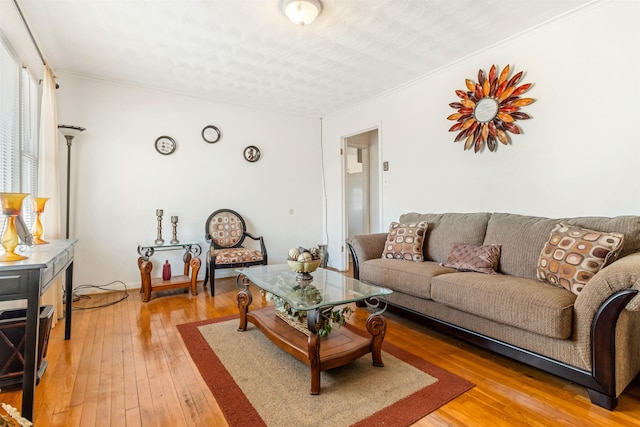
(301, 12)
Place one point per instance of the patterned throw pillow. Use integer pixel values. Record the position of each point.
(404, 241)
(573, 255)
(481, 259)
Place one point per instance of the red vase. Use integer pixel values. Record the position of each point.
(166, 271)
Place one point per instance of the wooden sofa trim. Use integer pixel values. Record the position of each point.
(601, 383)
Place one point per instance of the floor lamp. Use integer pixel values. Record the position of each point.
(69, 132)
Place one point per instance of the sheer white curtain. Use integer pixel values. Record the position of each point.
(48, 178)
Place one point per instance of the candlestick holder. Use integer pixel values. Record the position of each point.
(174, 224)
(38, 208)
(159, 239)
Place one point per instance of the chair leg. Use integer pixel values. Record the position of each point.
(212, 278)
(206, 277)
(206, 270)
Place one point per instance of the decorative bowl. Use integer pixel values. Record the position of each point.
(304, 268)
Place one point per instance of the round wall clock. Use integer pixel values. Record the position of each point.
(252, 154)
(211, 134)
(165, 145)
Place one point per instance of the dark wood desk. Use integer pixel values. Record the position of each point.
(29, 279)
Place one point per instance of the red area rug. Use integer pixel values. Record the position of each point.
(240, 411)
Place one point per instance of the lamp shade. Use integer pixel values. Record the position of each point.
(301, 12)
(68, 130)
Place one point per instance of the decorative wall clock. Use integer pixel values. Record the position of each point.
(251, 153)
(211, 134)
(165, 145)
(489, 109)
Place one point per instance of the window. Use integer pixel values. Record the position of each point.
(18, 132)
(29, 141)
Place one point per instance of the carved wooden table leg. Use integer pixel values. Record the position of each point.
(140, 259)
(244, 301)
(187, 260)
(377, 327)
(313, 347)
(195, 267)
(145, 278)
(314, 361)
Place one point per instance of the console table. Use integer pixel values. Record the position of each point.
(29, 279)
(188, 279)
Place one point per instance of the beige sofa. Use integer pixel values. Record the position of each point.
(592, 338)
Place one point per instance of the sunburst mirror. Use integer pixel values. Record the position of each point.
(489, 109)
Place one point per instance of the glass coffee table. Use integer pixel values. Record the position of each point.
(317, 298)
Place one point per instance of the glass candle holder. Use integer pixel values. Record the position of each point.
(11, 206)
(38, 208)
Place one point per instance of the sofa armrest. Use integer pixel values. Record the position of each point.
(621, 275)
(606, 317)
(364, 247)
(619, 281)
(368, 246)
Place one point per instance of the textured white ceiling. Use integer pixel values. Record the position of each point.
(247, 52)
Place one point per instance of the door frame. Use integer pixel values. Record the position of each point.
(378, 166)
(366, 178)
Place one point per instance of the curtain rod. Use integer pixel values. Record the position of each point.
(15, 2)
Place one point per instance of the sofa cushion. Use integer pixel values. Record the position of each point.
(448, 228)
(481, 259)
(235, 255)
(573, 255)
(405, 240)
(413, 278)
(523, 237)
(523, 303)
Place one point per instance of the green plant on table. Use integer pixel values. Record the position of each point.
(336, 316)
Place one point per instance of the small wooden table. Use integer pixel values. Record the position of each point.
(340, 346)
(187, 280)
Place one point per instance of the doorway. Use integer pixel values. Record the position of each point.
(363, 201)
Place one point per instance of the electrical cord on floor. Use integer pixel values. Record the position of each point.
(77, 297)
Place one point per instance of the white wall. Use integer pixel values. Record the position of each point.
(16, 37)
(375, 167)
(119, 180)
(578, 155)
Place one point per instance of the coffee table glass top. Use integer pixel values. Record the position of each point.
(328, 288)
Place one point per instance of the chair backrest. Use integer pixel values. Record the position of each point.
(225, 228)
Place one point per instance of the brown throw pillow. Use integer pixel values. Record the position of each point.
(573, 255)
(404, 241)
(481, 259)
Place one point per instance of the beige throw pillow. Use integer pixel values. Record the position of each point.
(573, 255)
(481, 259)
(404, 241)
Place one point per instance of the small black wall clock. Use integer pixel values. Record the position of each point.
(252, 154)
(165, 145)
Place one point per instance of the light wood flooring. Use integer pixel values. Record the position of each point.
(126, 365)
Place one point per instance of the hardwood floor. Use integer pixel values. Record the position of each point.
(126, 365)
